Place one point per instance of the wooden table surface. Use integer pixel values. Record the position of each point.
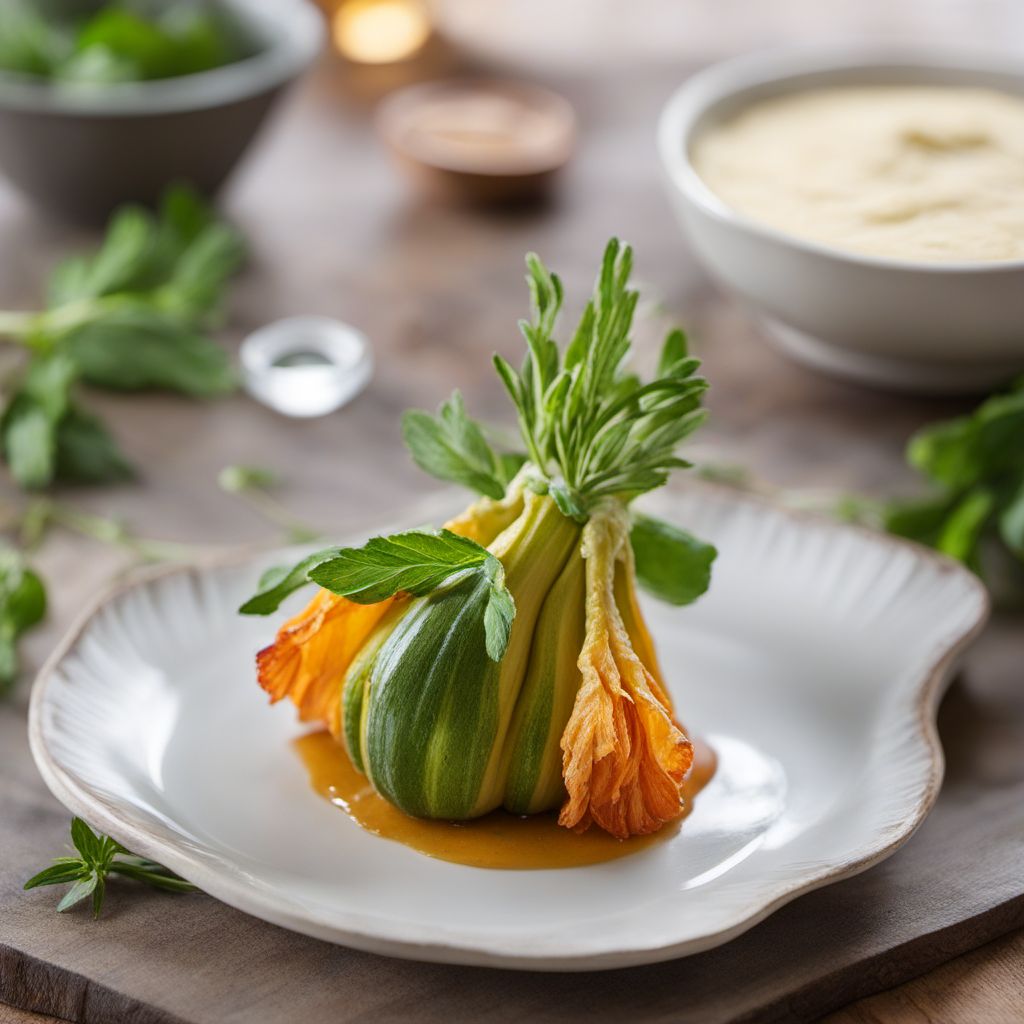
(335, 230)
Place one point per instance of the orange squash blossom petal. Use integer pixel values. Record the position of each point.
(624, 759)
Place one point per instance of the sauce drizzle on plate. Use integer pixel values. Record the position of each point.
(497, 840)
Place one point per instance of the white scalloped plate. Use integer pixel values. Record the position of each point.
(814, 667)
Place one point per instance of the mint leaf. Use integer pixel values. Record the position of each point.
(86, 453)
(670, 563)
(451, 446)
(919, 519)
(961, 452)
(29, 442)
(22, 606)
(413, 562)
(278, 583)
(115, 267)
(1011, 520)
(198, 278)
(137, 348)
(962, 530)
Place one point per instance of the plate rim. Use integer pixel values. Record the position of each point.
(229, 889)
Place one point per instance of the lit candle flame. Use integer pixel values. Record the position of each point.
(380, 31)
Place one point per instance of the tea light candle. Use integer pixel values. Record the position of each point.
(380, 31)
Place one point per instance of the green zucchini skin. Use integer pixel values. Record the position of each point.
(437, 710)
(547, 696)
(357, 680)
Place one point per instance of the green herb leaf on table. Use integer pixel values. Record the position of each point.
(85, 451)
(975, 464)
(98, 858)
(1011, 518)
(138, 349)
(22, 606)
(671, 563)
(129, 317)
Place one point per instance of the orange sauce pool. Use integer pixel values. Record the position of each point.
(497, 840)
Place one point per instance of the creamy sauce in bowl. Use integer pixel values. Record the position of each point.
(930, 173)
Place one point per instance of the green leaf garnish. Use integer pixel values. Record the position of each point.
(451, 446)
(500, 611)
(413, 562)
(416, 562)
(591, 429)
(98, 858)
(671, 563)
(278, 583)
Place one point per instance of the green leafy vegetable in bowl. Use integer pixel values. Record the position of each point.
(127, 41)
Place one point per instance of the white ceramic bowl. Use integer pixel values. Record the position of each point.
(900, 323)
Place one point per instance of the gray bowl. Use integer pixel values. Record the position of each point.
(81, 151)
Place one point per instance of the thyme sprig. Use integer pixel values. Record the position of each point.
(98, 858)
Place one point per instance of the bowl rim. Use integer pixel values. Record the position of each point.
(295, 33)
(726, 79)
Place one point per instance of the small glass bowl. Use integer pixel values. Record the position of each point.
(306, 366)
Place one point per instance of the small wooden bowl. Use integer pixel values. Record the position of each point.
(479, 141)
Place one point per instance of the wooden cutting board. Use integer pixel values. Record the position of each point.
(334, 231)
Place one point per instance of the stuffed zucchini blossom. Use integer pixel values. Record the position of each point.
(503, 661)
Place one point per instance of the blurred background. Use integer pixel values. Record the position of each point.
(322, 135)
(375, 172)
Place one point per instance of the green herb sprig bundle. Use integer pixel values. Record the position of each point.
(503, 660)
(975, 464)
(131, 317)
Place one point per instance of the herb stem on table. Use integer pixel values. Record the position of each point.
(98, 858)
(255, 485)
